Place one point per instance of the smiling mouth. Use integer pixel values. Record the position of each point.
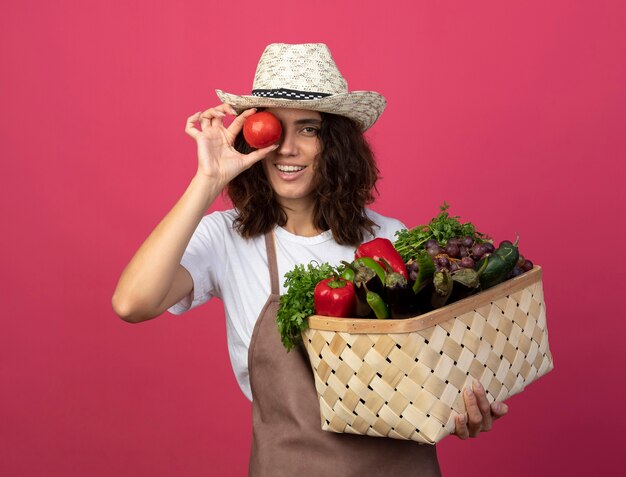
(290, 169)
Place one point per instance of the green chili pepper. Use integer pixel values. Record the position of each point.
(494, 267)
(348, 274)
(377, 304)
(374, 265)
(509, 253)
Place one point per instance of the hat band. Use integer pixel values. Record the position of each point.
(287, 94)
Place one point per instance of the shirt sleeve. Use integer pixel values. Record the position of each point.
(388, 226)
(203, 258)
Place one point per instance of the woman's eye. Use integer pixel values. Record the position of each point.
(310, 131)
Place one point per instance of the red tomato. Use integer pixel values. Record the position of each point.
(262, 129)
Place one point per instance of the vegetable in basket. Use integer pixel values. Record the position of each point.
(374, 265)
(297, 304)
(443, 284)
(423, 268)
(365, 278)
(361, 268)
(401, 299)
(438, 231)
(377, 304)
(382, 249)
(335, 297)
(497, 265)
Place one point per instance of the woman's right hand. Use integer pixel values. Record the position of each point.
(154, 279)
(218, 159)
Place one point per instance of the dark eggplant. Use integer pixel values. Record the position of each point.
(400, 296)
(365, 278)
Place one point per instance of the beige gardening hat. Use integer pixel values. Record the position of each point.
(305, 76)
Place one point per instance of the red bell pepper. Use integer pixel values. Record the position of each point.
(382, 248)
(335, 297)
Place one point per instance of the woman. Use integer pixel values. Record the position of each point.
(302, 199)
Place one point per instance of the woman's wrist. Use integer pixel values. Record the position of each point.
(207, 188)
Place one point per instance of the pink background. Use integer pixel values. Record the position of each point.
(513, 112)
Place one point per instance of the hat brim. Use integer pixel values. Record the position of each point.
(365, 107)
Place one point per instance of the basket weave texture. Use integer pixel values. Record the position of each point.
(403, 378)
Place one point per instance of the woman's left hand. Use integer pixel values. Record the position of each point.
(480, 414)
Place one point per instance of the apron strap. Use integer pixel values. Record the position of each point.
(270, 246)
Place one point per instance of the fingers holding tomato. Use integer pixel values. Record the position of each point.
(190, 125)
(206, 119)
(219, 110)
(238, 123)
(217, 156)
(211, 124)
(214, 116)
(260, 129)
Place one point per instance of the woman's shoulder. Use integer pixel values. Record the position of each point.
(217, 224)
(385, 226)
(220, 219)
(222, 224)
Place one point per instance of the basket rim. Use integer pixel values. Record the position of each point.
(426, 320)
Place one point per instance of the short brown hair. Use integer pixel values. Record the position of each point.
(345, 182)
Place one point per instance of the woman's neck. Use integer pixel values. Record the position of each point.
(300, 219)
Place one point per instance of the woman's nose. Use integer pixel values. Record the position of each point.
(287, 145)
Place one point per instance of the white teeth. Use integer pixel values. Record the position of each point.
(289, 168)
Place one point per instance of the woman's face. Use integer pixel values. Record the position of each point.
(290, 169)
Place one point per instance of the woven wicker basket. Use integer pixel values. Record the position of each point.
(403, 378)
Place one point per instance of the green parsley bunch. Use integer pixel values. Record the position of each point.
(442, 228)
(297, 304)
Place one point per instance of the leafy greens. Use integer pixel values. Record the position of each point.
(297, 304)
(441, 228)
